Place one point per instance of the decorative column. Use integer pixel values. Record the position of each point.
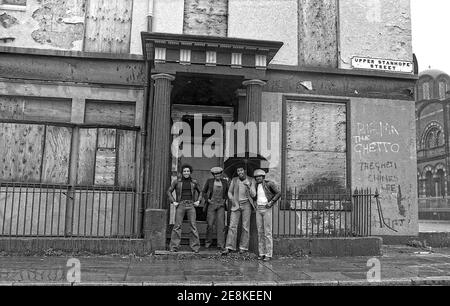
(160, 147)
(253, 108)
(155, 223)
(253, 99)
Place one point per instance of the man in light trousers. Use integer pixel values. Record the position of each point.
(267, 195)
(240, 195)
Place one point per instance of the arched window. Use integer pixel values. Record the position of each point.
(434, 138)
(439, 139)
(430, 191)
(430, 139)
(442, 90)
(440, 177)
(426, 91)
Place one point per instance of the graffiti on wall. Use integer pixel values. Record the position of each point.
(378, 147)
(375, 138)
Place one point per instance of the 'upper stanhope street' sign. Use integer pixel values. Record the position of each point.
(382, 64)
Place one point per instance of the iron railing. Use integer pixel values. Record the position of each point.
(39, 210)
(324, 213)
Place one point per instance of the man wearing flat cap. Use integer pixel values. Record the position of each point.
(267, 195)
(215, 194)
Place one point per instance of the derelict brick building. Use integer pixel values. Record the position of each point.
(89, 90)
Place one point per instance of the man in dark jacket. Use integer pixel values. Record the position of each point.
(267, 195)
(188, 197)
(215, 194)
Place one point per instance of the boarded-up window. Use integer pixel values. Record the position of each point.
(21, 152)
(318, 33)
(56, 163)
(206, 17)
(34, 153)
(316, 144)
(107, 157)
(86, 157)
(110, 113)
(108, 26)
(35, 109)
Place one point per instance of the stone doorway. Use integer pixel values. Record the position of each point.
(204, 101)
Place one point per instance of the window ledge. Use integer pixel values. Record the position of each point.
(11, 7)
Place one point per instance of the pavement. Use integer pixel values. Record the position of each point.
(399, 265)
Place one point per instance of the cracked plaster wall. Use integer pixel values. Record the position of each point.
(45, 24)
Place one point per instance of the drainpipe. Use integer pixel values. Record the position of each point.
(150, 15)
(143, 172)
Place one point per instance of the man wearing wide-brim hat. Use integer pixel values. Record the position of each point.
(215, 194)
(267, 195)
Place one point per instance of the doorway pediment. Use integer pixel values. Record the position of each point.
(175, 53)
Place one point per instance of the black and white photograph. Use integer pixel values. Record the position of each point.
(224, 149)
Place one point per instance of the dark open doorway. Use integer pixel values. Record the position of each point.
(216, 100)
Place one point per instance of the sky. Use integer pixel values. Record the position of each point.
(431, 33)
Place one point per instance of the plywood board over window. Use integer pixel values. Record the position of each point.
(206, 17)
(35, 109)
(108, 26)
(86, 157)
(106, 112)
(316, 144)
(55, 169)
(21, 148)
(105, 158)
(127, 158)
(318, 46)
